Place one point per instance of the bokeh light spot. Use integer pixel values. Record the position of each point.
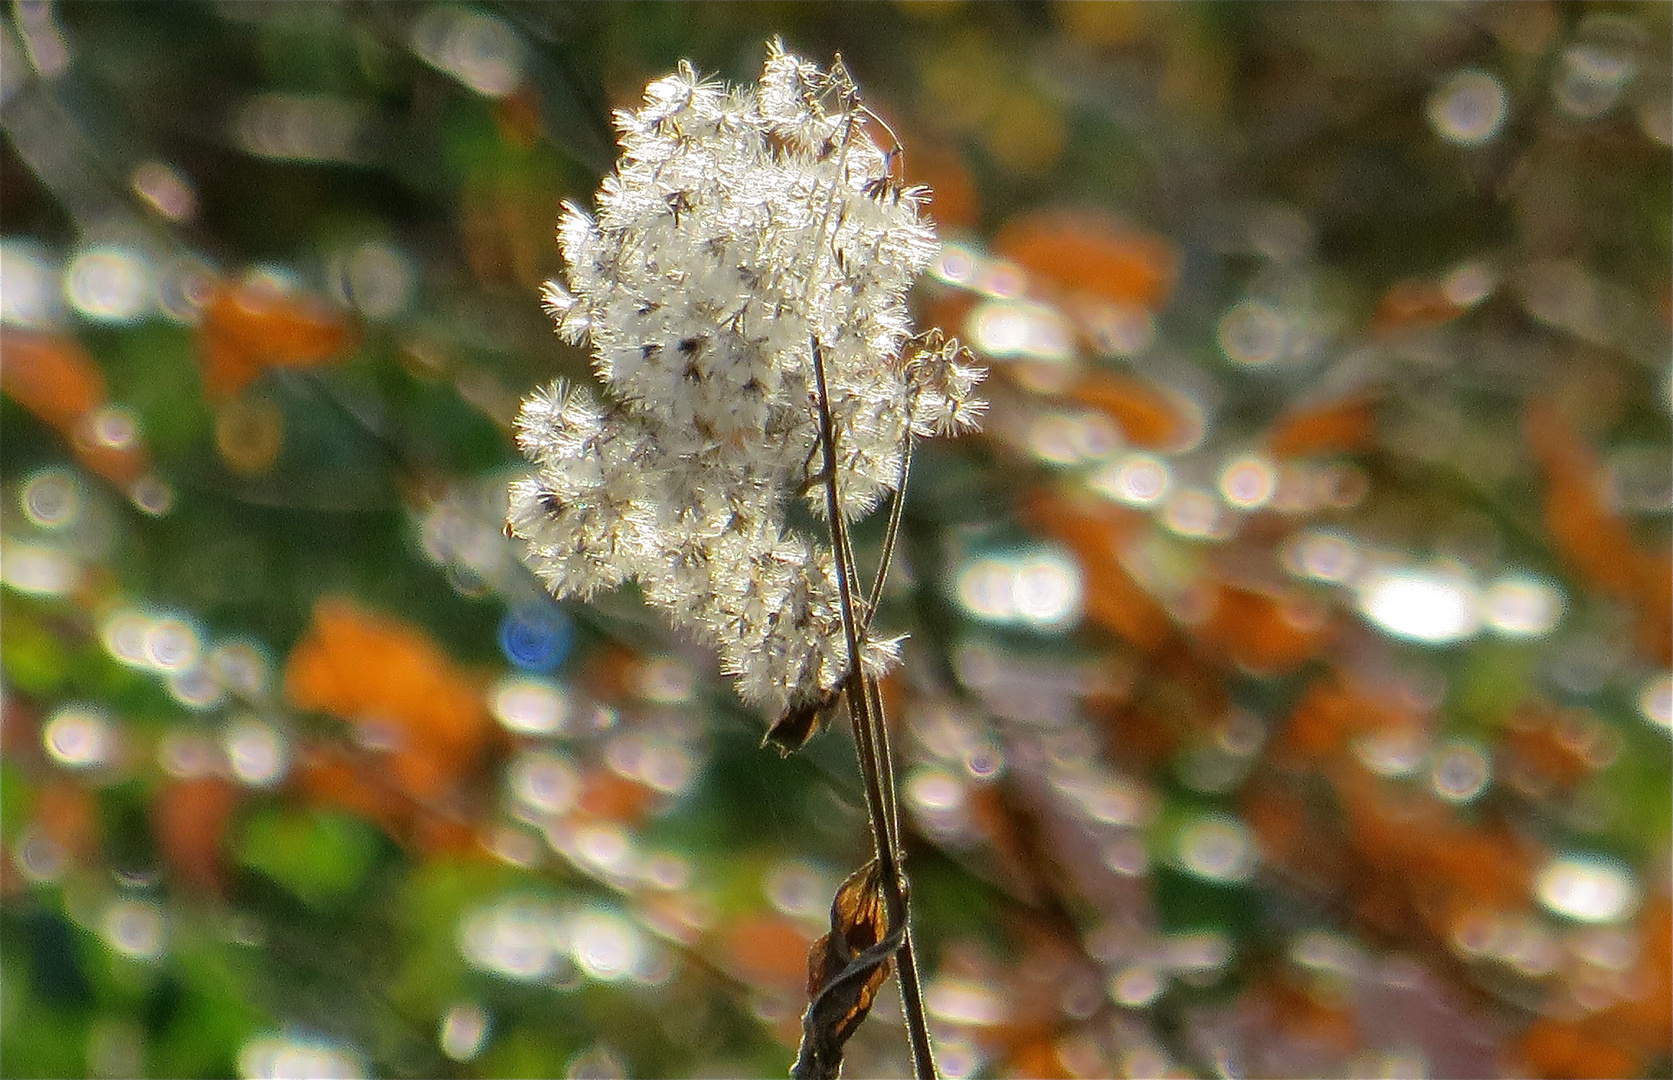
(256, 753)
(1590, 80)
(109, 284)
(1519, 605)
(955, 265)
(1135, 987)
(605, 946)
(152, 496)
(798, 889)
(1587, 888)
(1040, 588)
(134, 929)
(196, 688)
(1469, 108)
(1136, 479)
(667, 680)
(1460, 772)
(1047, 589)
(375, 277)
(1655, 700)
(38, 569)
(290, 1057)
(536, 637)
(51, 497)
(242, 667)
(79, 737)
(479, 50)
(1021, 330)
(1247, 483)
(514, 939)
(964, 1002)
(545, 783)
(1193, 512)
(29, 285)
(1252, 334)
(1217, 849)
(172, 644)
(165, 190)
(530, 706)
(301, 127)
(463, 1031)
(1431, 607)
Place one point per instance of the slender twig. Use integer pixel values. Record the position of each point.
(871, 736)
(871, 733)
(891, 533)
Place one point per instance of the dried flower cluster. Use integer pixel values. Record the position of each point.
(740, 225)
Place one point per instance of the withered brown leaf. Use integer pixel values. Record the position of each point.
(801, 722)
(845, 969)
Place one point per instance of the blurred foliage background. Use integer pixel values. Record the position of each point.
(1289, 684)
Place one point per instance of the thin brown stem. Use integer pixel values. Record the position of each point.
(891, 534)
(871, 736)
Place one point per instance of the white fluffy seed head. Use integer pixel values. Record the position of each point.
(739, 225)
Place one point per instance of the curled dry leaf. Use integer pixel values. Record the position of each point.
(802, 722)
(845, 969)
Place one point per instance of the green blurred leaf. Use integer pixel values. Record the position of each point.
(320, 856)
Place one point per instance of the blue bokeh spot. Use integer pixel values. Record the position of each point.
(536, 637)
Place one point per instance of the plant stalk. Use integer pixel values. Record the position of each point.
(871, 736)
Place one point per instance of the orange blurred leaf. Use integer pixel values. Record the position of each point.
(1330, 714)
(1148, 415)
(1097, 531)
(189, 818)
(1333, 427)
(1412, 304)
(955, 203)
(53, 377)
(1092, 253)
(387, 675)
(252, 326)
(67, 814)
(766, 951)
(617, 798)
(57, 380)
(1265, 633)
(1592, 536)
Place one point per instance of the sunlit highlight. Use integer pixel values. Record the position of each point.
(79, 737)
(530, 706)
(1655, 701)
(1519, 605)
(463, 1031)
(1140, 480)
(1460, 773)
(479, 50)
(29, 285)
(256, 753)
(1252, 334)
(1040, 589)
(1021, 330)
(1469, 108)
(286, 1057)
(1587, 888)
(1217, 849)
(1248, 483)
(37, 569)
(1432, 607)
(109, 284)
